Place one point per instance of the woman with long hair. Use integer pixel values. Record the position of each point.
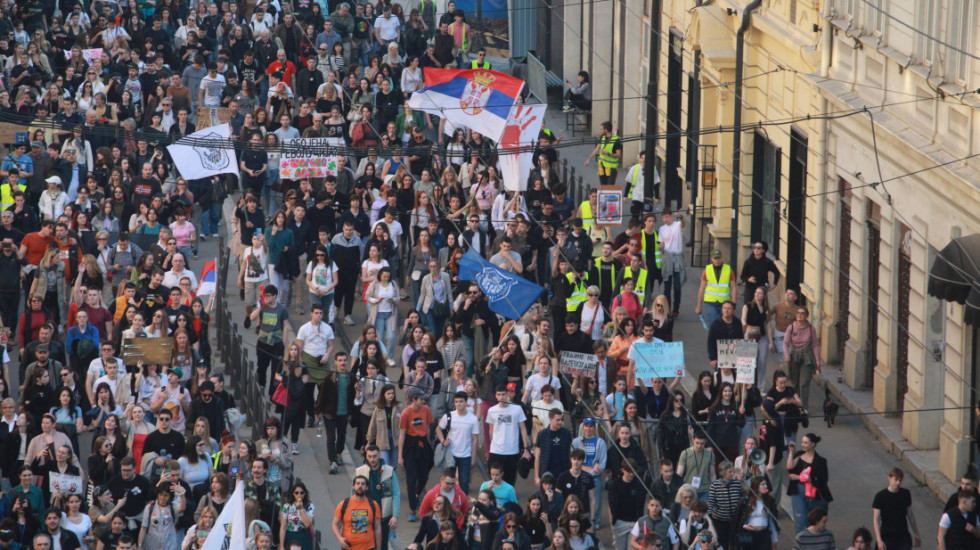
(672, 437)
(383, 295)
(536, 523)
(15, 445)
(758, 328)
(322, 278)
(102, 464)
(182, 354)
(663, 320)
(629, 300)
(49, 284)
(69, 416)
(275, 448)
(421, 254)
(219, 490)
(443, 513)
(621, 343)
(296, 518)
(38, 397)
(745, 469)
(383, 430)
(704, 396)
(195, 464)
(114, 434)
(202, 429)
(482, 522)
(135, 425)
(451, 345)
(294, 380)
(43, 447)
(371, 353)
(724, 422)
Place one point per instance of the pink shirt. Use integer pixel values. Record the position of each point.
(182, 233)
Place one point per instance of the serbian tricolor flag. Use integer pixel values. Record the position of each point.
(206, 280)
(477, 99)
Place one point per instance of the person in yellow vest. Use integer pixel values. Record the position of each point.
(610, 152)
(650, 248)
(718, 284)
(578, 278)
(605, 269)
(481, 60)
(9, 187)
(460, 32)
(641, 280)
(587, 208)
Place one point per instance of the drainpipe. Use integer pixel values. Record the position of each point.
(823, 133)
(653, 91)
(737, 142)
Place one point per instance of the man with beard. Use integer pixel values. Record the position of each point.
(357, 520)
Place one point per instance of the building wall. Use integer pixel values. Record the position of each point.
(879, 62)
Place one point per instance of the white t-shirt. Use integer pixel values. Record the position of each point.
(81, 529)
(315, 338)
(321, 276)
(394, 230)
(259, 273)
(374, 268)
(460, 431)
(97, 368)
(672, 237)
(505, 439)
(944, 522)
(535, 382)
(387, 28)
(212, 90)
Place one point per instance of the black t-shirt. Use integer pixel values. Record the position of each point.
(571, 485)
(167, 445)
(893, 508)
(249, 71)
(777, 396)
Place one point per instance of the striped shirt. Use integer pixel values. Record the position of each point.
(724, 498)
(808, 540)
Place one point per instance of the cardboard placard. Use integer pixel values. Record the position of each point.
(609, 205)
(212, 116)
(574, 363)
(309, 157)
(149, 350)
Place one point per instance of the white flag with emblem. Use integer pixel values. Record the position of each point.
(205, 153)
(229, 531)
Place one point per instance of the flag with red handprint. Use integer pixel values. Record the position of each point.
(517, 144)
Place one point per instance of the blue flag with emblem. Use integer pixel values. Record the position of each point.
(507, 293)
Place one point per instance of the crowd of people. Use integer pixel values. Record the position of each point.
(98, 232)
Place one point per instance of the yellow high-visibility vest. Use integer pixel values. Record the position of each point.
(657, 255)
(475, 64)
(579, 295)
(588, 220)
(7, 194)
(639, 281)
(718, 289)
(606, 146)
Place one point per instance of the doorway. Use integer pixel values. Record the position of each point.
(675, 96)
(796, 209)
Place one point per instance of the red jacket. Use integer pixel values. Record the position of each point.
(459, 500)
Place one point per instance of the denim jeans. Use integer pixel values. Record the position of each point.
(270, 197)
(711, 311)
(463, 466)
(336, 436)
(597, 505)
(326, 302)
(390, 457)
(275, 278)
(385, 334)
(432, 323)
(802, 506)
(211, 219)
(675, 300)
(468, 354)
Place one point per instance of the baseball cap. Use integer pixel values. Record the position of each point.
(716, 253)
(589, 421)
(512, 386)
(178, 371)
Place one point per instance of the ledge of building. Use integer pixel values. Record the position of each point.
(923, 465)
